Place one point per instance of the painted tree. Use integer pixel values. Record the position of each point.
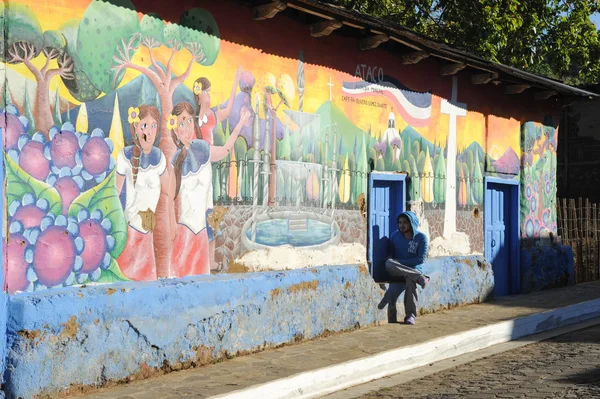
(415, 179)
(116, 129)
(427, 181)
(439, 181)
(362, 167)
(28, 111)
(82, 122)
(388, 158)
(477, 182)
(57, 117)
(77, 82)
(467, 179)
(25, 40)
(109, 36)
(110, 42)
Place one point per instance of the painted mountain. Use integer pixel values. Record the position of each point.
(508, 162)
(347, 131)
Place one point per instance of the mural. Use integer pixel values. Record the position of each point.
(538, 186)
(138, 148)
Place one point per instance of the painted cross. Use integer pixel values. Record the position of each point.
(330, 84)
(454, 109)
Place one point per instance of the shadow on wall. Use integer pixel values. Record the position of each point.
(545, 265)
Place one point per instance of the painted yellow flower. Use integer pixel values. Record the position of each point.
(172, 122)
(134, 114)
(197, 89)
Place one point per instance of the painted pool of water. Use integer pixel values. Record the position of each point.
(276, 232)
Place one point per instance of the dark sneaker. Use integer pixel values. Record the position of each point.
(410, 320)
(423, 280)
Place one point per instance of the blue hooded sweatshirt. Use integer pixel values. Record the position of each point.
(411, 252)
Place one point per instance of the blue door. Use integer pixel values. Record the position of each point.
(498, 235)
(386, 201)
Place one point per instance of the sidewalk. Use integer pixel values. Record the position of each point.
(340, 360)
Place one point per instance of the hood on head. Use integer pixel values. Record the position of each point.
(414, 220)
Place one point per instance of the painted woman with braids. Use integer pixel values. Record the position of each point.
(193, 188)
(142, 167)
(207, 121)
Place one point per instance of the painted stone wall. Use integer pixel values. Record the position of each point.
(143, 140)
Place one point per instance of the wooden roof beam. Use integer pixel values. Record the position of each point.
(515, 89)
(324, 28)
(452, 69)
(544, 95)
(269, 10)
(372, 42)
(415, 57)
(484, 78)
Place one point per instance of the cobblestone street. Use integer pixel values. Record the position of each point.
(567, 366)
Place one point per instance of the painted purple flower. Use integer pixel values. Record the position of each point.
(533, 205)
(380, 148)
(528, 191)
(529, 227)
(396, 143)
(546, 217)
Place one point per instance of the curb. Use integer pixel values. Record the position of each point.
(330, 379)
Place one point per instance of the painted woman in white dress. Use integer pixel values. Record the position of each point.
(141, 167)
(193, 188)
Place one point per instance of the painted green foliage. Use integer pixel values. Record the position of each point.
(439, 182)
(415, 180)
(24, 28)
(19, 183)
(102, 31)
(104, 197)
(477, 181)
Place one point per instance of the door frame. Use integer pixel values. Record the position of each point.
(381, 176)
(514, 232)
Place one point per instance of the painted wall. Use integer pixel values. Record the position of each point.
(139, 146)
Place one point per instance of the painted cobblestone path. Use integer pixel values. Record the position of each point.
(245, 371)
(567, 366)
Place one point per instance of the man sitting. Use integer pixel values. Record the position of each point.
(408, 251)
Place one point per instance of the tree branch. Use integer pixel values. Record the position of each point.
(153, 76)
(65, 69)
(179, 79)
(28, 53)
(169, 64)
(150, 44)
(47, 64)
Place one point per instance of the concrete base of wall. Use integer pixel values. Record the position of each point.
(79, 337)
(90, 336)
(546, 267)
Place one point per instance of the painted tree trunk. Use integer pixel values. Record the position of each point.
(162, 233)
(44, 120)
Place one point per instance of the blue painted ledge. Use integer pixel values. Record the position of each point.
(133, 329)
(546, 267)
(455, 281)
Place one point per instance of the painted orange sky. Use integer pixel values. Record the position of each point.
(52, 14)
